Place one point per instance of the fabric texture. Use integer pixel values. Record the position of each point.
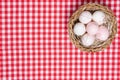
(35, 45)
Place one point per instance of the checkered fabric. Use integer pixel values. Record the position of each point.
(35, 45)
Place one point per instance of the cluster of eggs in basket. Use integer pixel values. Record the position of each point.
(90, 27)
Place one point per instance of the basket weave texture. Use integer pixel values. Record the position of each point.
(110, 23)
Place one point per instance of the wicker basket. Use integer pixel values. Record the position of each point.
(110, 23)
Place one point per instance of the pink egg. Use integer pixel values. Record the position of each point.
(103, 33)
(92, 28)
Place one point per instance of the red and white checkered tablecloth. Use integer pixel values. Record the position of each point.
(35, 45)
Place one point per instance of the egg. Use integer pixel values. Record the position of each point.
(99, 16)
(87, 40)
(85, 17)
(103, 33)
(92, 28)
(79, 29)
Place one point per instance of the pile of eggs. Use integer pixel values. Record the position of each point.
(91, 27)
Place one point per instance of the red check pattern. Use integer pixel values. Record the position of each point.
(35, 45)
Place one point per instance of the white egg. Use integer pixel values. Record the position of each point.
(87, 40)
(79, 29)
(99, 16)
(85, 17)
(103, 33)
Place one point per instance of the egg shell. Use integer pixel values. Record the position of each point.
(103, 33)
(99, 16)
(87, 40)
(92, 28)
(85, 17)
(79, 29)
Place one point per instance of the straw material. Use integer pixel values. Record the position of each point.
(110, 22)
